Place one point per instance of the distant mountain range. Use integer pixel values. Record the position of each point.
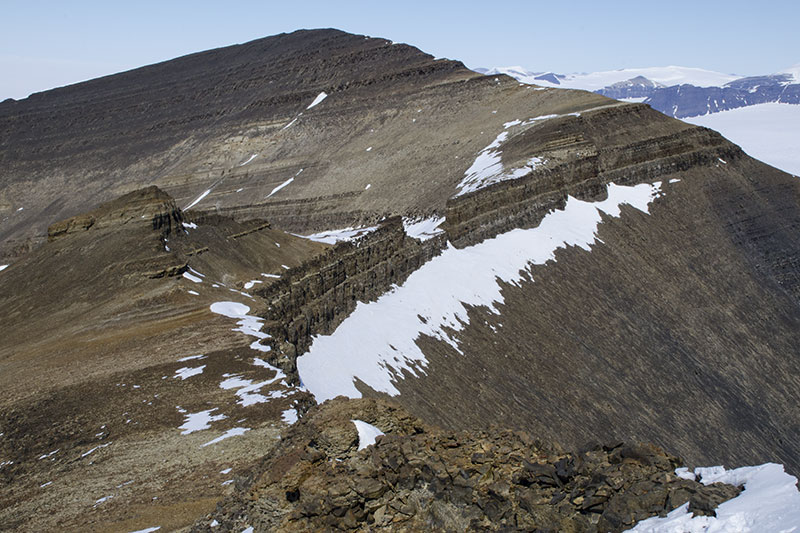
(679, 92)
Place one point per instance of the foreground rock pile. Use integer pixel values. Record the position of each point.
(418, 478)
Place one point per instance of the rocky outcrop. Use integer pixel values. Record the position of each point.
(315, 297)
(419, 478)
(581, 163)
(145, 206)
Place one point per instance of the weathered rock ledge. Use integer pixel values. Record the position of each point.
(580, 167)
(419, 478)
(315, 297)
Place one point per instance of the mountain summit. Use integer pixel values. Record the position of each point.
(200, 251)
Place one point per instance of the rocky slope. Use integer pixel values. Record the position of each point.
(157, 308)
(419, 478)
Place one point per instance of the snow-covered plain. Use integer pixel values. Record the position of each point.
(377, 341)
(768, 132)
(770, 502)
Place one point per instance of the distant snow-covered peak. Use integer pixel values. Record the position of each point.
(667, 76)
(794, 71)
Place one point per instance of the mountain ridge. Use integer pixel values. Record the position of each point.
(679, 92)
(589, 270)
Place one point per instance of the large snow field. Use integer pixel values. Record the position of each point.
(378, 340)
(768, 132)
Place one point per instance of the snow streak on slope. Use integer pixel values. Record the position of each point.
(320, 97)
(487, 169)
(248, 324)
(770, 502)
(769, 132)
(377, 341)
(335, 235)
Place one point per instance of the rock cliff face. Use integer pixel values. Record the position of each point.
(583, 158)
(315, 297)
(419, 478)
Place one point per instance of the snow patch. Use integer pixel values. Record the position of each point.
(249, 392)
(95, 448)
(190, 225)
(147, 530)
(487, 169)
(199, 421)
(248, 324)
(45, 456)
(284, 184)
(377, 342)
(3, 267)
(250, 284)
(289, 416)
(103, 499)
(187, 372)
(770, 501)
(233, 432)
(367, 433)
(197, 200)
(281, 186)
(192, 277)
(423, 229)
(335, 235)
(191, 358)
(251, 158)
(320, 97)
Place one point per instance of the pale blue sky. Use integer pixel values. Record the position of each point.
(48, 44)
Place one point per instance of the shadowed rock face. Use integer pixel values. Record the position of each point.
(679, 327)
